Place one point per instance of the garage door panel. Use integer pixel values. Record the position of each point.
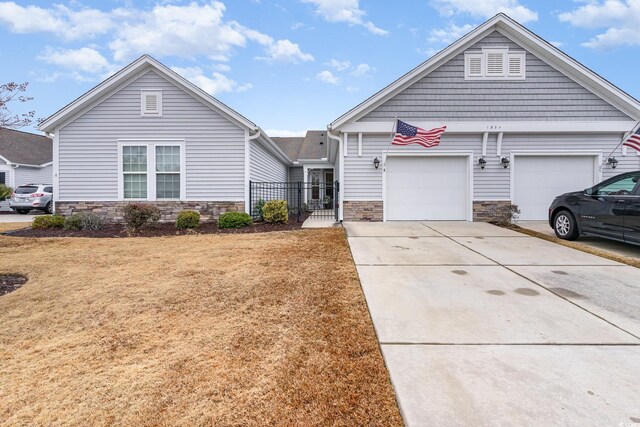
(425, 187)
(539, 179)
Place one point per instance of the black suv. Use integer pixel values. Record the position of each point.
(610, 209)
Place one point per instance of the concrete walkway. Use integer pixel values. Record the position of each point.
(11, 217)
(480, 325)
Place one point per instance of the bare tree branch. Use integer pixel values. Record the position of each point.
(14, 92)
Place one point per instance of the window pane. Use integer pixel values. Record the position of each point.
(168, 186)
(135, 186)
(134, 158)
(167, 158)
(620, 187)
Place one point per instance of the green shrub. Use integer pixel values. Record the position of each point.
(234, 220)
(188, 219)
(138, 215)
(276, 212)
(48, 221)
(83, 221)
(5, 192)
(257, 210)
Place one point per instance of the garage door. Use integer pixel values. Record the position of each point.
(427, 188)
(539, 179)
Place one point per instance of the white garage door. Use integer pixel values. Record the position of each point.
(539, 179)
(427, 188)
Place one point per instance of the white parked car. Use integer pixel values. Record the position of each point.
(32, 196)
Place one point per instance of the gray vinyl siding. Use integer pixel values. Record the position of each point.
(27, 175)
(545, 94)
(363, 182)
(265, 167)
(296, 174)
(214, 145)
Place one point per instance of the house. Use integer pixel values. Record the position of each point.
(25, 158)
(147, 134)
(313, 158)
(525, 123)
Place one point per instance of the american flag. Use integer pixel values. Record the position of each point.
(407, 134)
(634, 140)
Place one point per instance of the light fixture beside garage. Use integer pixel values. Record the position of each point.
(505, 162)
(482, 162)
(613, 162)
(376, 163)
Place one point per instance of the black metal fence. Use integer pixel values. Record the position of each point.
(305, 199)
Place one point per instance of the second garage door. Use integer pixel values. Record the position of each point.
(539, 179)
(427, 188)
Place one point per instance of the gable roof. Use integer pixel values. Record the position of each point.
(313, 146)
(525, 38)
(133, 70)
(25, 148)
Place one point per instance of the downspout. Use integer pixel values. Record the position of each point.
(247, 169)
(340, 155)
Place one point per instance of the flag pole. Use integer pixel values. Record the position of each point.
(393, 135)
(624, 138)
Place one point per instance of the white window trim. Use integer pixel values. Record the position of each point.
(151, 167)
(143, 102)
(483, 55)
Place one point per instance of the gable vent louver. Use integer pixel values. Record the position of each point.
(151, 103)
(475, 66)
(495, 63)
(516, 65)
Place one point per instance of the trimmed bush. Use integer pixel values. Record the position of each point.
(5, 192)
(276, 212)
(257, 210)
(188, 219)
(83, 221)
(234, 220)
(48, 221)
(138, 215)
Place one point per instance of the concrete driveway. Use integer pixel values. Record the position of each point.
(485, 326)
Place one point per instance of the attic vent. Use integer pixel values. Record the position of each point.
(151, 103)
(495, 63)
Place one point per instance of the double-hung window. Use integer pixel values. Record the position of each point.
(134, 170)
(152, 171)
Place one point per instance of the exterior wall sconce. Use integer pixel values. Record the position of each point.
(613, 162)
(376, 162)
(482, 162)
(505, 162)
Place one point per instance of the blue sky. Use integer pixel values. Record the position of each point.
(289, 65)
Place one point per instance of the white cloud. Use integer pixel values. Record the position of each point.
(448, 35)
(339, 65)
(327, 76)
(58, 19)
(344, 11)
(215, 84)
(285, 132)
(485, 8)
(285, 51)
(352, 89)
(620, 18)
(85, 59)
(222, 67)
(297, 26)
(557, 44)
(362, 70)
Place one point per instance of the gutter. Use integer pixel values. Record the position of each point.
(260, 134)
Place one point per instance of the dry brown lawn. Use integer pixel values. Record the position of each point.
(8, 226)
(263, 329)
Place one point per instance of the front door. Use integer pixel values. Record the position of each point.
(3, 178)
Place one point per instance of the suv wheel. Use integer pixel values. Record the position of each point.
(22, 211)
(564, 224)
(49, 208)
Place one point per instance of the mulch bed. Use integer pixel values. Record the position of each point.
(11, 283)
(162, 229)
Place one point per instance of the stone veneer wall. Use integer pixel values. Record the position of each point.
(362, 211)
(486, 211)
(112, 211)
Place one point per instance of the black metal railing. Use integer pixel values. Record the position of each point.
(304, 199)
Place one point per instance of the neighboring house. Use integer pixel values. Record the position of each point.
(25, 158)
(147, 134)
(505, 95)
